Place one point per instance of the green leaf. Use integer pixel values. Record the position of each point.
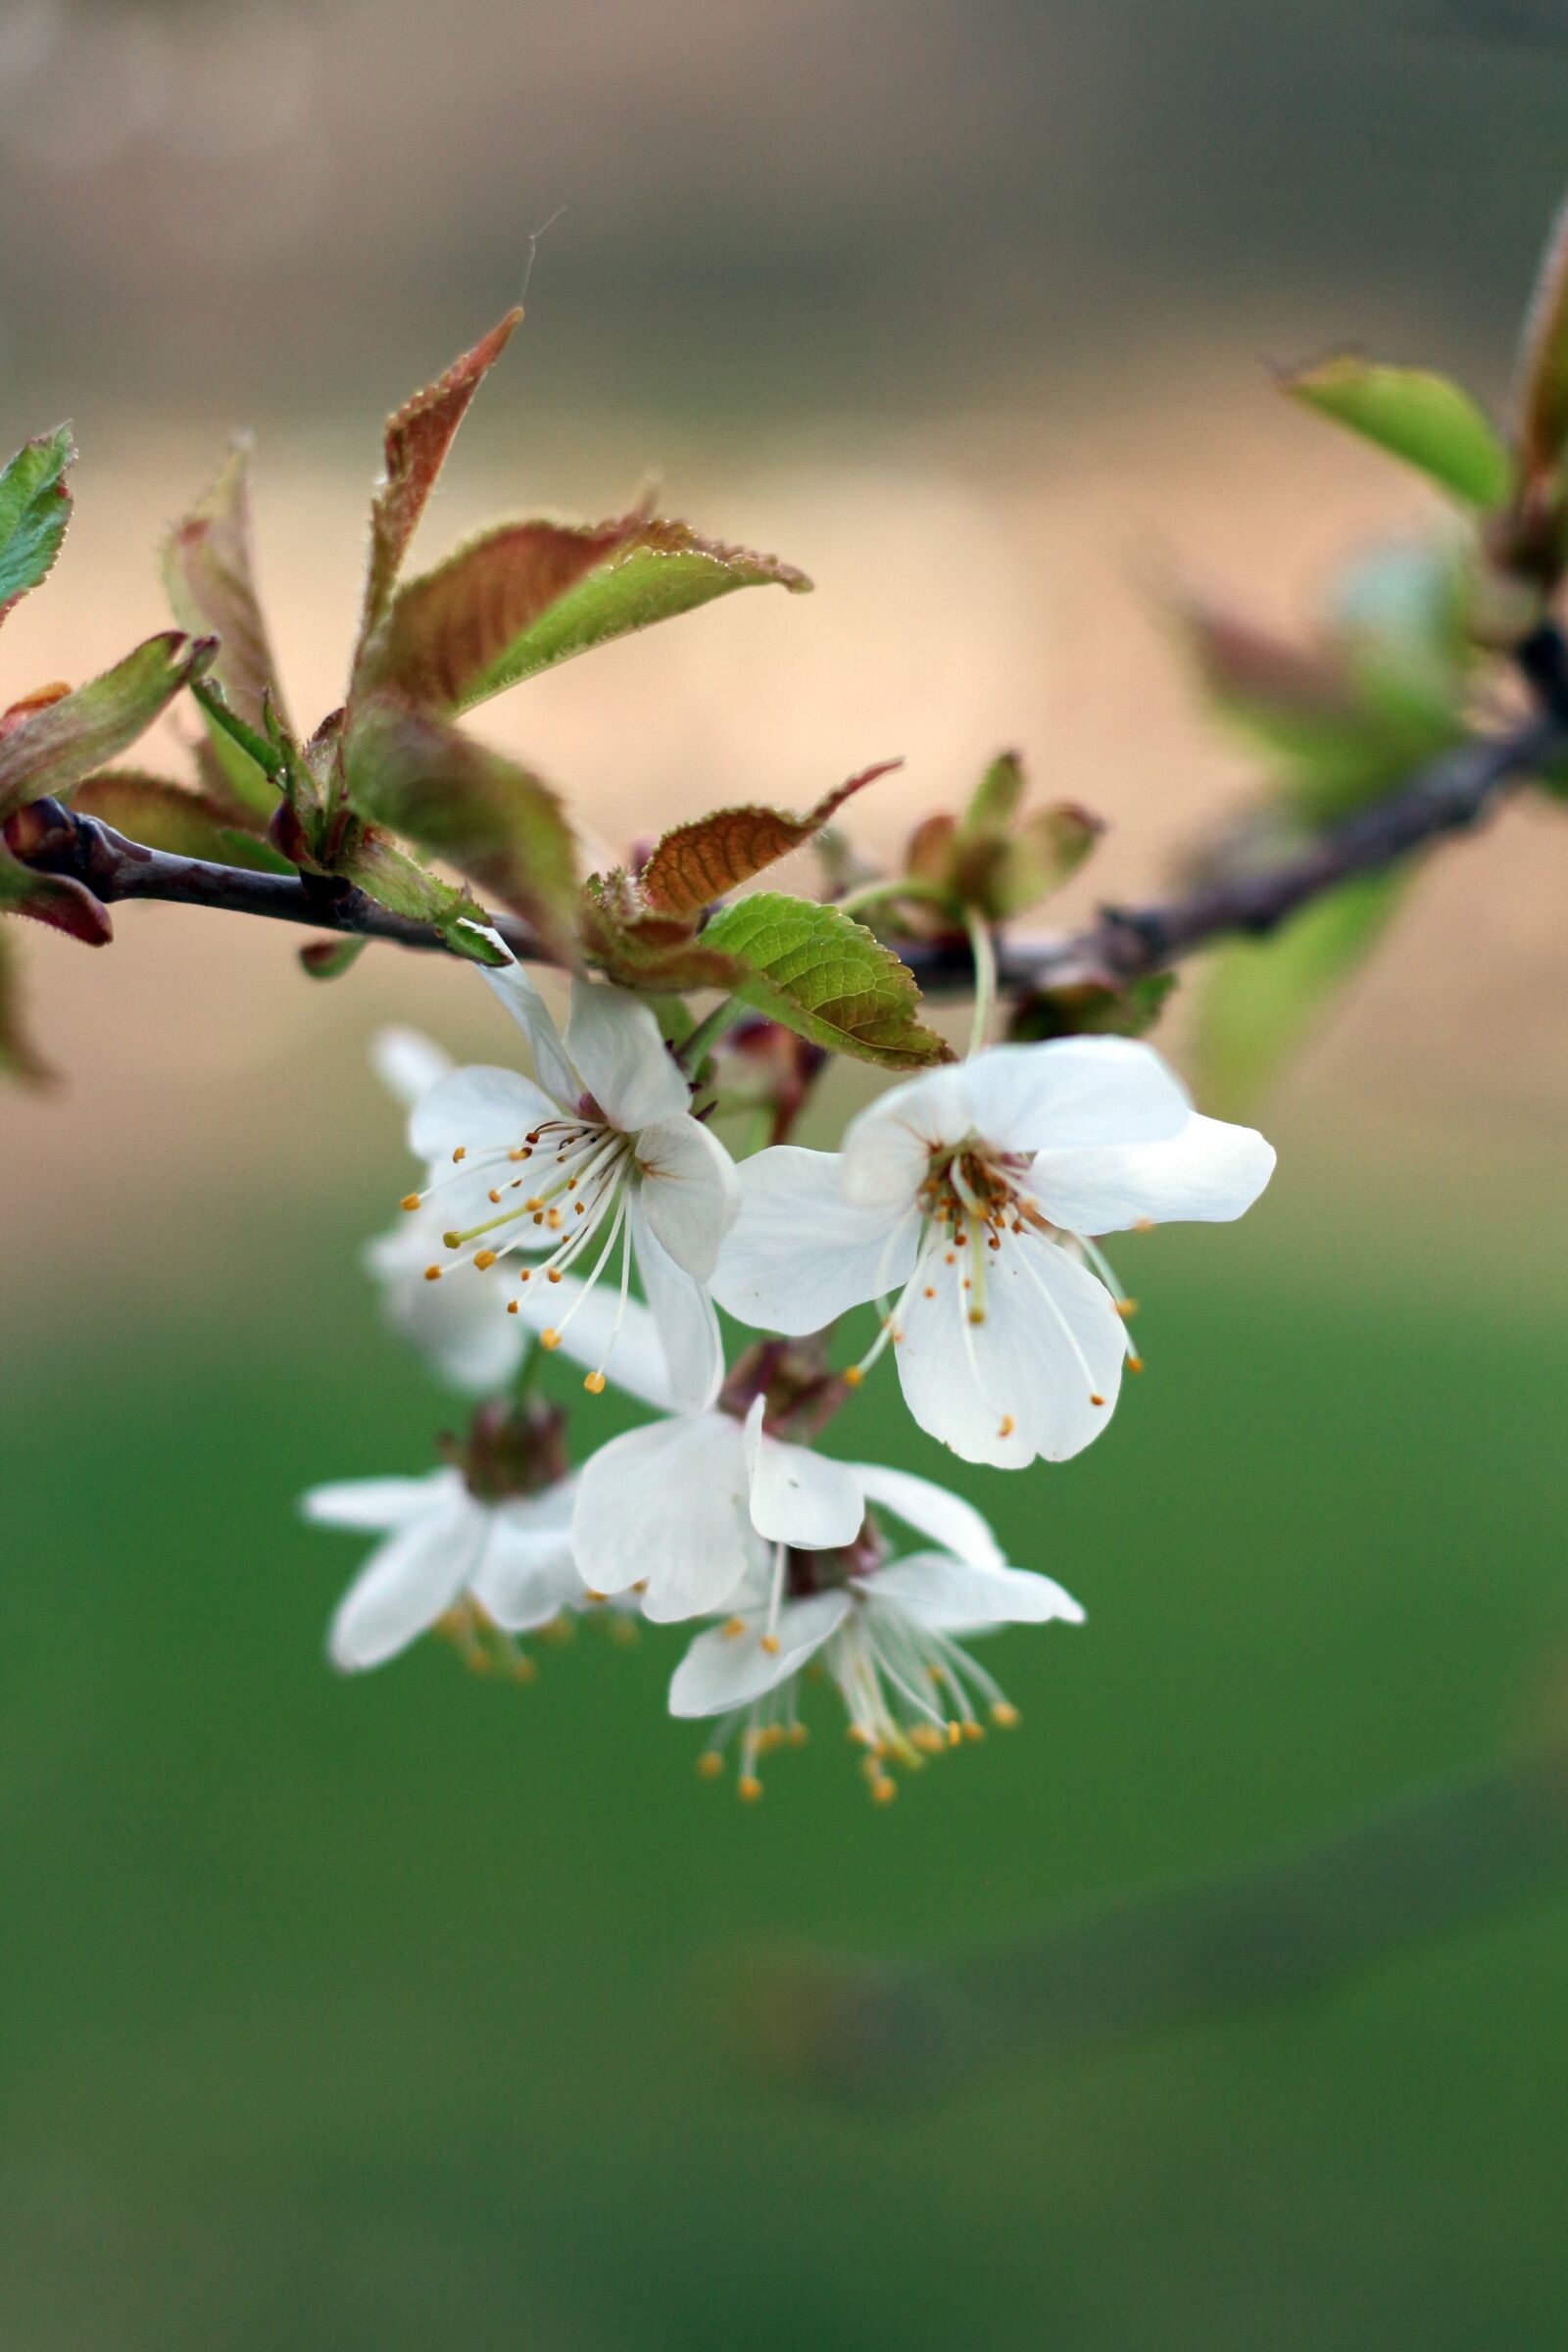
(1260, 997)
(170, 816)
(51, 746)
(209, 574)
(373, 863)
(329, 958)
(697, 863)
(34, 510)
(449, 633)
(1542, 396)
(19, 1056)
(996, 798)
(826, 977)
(469, 805)
(417, 441)
(1413, 414)
(666, 571)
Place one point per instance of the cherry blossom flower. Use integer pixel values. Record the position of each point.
(597, 1157)
(885, 1632)
(967, 1197)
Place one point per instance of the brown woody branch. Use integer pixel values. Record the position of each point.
(1453, 795)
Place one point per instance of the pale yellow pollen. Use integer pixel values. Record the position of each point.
(1004, 1711)
(410, 1201)
(974, 1730)
(954, 1734)
(711, 1764)
(550, 1336)
(594, 1383)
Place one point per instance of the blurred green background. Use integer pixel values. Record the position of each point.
(398, 2012)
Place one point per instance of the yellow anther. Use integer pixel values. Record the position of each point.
(523, 1670)
(512, 1306)
(550, 1336)
(1135, 1363)
(854, 1377)
(410, 1201)
(749, 1786)
(974, 1730)
(954, 1732)
(1004, 1711)
(553, 1273)
(493, 1197)
(797, 1734)
(483, 1260)
(930, 1291)
(641, 1586)
(525, 1275)
(770, 1644)
(1125, 1307)
(1004, 1426)
(462, 1152)
(733, 1626)
(926, 1738)
(432, 1273)
(452, 1240)
(536, 1203)
(711, 1764)
(1142, 1224)
(884, 1791)
(1095, 1398)
(977, 1314)
(595, 1384)
(593, 1595)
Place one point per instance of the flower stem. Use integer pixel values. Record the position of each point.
(693, 1049)
(895, 886)
(983, 948)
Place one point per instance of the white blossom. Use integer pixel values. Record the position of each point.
(596, 1163)
(965, 1200)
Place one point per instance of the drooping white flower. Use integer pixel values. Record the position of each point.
(885, 1632)
(968, 1197)
(447, 1554)
(690, 1507)
(601, 1151)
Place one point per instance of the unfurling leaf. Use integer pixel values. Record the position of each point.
(19, 1057)
(209, 574)
(449, 637)
(665, 570)
(373, 863)
(469, 805)
(1092, 1009)
(637, 948)
(52, 747)
(993, 860)
(698, 862)
(1260, 997)
(171, 816)
(1543, 393)
(827, 978)
(1414, 414)
(34, 510)
(999, 795)
(418, 438)
(328, 958)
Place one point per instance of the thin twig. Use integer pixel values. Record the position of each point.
(1454, 794)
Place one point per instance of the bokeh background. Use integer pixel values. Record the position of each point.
(397, 2013)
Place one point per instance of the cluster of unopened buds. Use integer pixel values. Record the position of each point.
(967, 1202)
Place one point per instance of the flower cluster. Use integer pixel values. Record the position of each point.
(967, 1202)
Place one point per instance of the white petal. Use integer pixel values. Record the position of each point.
(1210, 1172)
(1073, 1090)
(798, 1497)
(529, 1010)
(887, 1149)
(690, 1190)
(799, 1253)
(408, 1583)
(459, 1324)
(666, 1504)
(1021, 1382)
(373, 1505)
(636, 1360)
(527, 1575)
(683, 1315)
(476, 1109)
(722, 1671)
(407, 1063)
(617, 1049)
(933, 1511)
(952, 1596)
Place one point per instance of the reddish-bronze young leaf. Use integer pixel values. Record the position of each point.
(1542, 392)
(170, 816)
(637, 948)
(446, 631)
(698, 862)
(51, 746)
(418, 438)
(208, 573)
(57, 900)
(467, 803)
